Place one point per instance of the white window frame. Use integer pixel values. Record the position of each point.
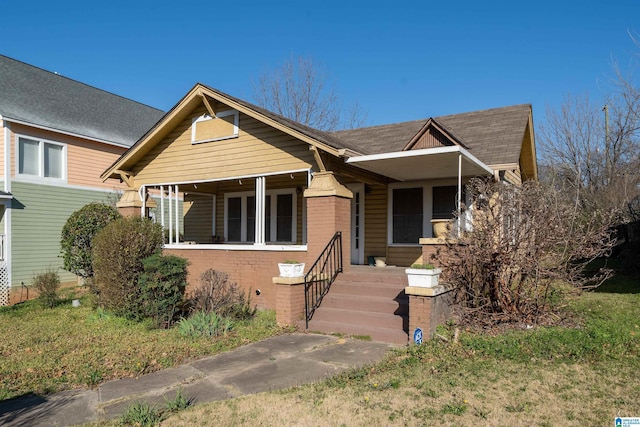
(427, 206)
(206, 117)
(40, 176)
(273, 224)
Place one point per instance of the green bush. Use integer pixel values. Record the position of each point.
(219, 295)
(78, 233)
(118, 254)
(47, 285)
(201, 324)
(162, 286)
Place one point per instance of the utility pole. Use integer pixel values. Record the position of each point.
(607, 167)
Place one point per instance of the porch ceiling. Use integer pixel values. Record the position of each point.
(429, 163)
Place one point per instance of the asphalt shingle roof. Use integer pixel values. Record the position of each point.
(494, 136)
(36, 96)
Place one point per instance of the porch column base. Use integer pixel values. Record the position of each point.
(130, 203)
(289, 300)
(428, 308)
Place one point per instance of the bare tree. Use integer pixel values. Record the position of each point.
(593, 151)
(525, 240)
(301, 90)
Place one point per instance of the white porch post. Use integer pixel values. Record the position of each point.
(162, 206)
(143, 196)
(177, 215)
(260, 210)
(170, 197)
(459, 201)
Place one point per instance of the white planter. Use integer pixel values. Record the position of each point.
(423, 278)
(291, 270)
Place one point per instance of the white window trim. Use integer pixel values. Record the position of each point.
(206, 117)
(427, 206)
(273, 225)
(40, 178)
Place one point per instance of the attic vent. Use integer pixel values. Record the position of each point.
(432, 138)
(206, 128)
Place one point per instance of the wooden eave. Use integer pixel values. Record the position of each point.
(183, 109)
(432, 123)
(528, 156)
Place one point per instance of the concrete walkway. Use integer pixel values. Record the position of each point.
(276, 363)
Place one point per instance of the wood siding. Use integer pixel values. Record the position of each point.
(430, 139)
(403, 256)
(258, 149)
(2, 130)
(86, 160)
(37, 220)
(375, 220)
(198, 218)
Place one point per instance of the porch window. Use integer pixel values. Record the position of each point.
(280, 216)
(41, 159)
(407, 215)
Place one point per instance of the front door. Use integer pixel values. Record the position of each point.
(357, 223)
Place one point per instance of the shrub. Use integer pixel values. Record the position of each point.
(162, 286)
(201, 324)
(219, 295)
(78, 233)
(118, 252)
(524, 240)
(47, 285)
(140, 414)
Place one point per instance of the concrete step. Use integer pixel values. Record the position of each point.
(390, 335)
(366, 302)
(359, 289)
(365, 318)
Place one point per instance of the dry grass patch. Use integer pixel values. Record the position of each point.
(48, 350)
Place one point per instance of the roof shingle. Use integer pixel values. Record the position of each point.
(35, 96)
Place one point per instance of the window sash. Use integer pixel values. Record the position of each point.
(280, 214)
(407, 215)
(41, 159)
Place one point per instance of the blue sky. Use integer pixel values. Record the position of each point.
(398, 60)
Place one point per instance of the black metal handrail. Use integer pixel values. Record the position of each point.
(321, 275)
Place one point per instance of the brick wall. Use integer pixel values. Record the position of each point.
(427, 312)
(252, 270)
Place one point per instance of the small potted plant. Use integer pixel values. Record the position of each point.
(423, 275)
(291, 268)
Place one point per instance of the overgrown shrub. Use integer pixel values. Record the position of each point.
(140, 414)
(118, 252)
(524, 239)
(203, 324)
(47, 285)
(162, 286)
(219, 295)
(78, 233)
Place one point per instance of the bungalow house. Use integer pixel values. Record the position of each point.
(56, 136)
(260, 189)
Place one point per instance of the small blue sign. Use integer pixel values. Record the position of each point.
(417, 336)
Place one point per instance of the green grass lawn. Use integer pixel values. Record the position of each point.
(48, 350)
(584, 374)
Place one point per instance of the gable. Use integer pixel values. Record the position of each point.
(229, 145)
(430, 137)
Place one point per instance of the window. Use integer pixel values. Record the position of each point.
(444, 201)
(280, 216)
(407, 215)
(223, 126)
(41, 159)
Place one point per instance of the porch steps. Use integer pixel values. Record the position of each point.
(366, 301)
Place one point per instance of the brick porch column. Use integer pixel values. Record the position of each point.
(428, 308)
(130, 203)
(289, 300)
(328, 211)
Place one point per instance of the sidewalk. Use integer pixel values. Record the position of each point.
(272, 364)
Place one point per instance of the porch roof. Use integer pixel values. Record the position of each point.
(428, 163)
